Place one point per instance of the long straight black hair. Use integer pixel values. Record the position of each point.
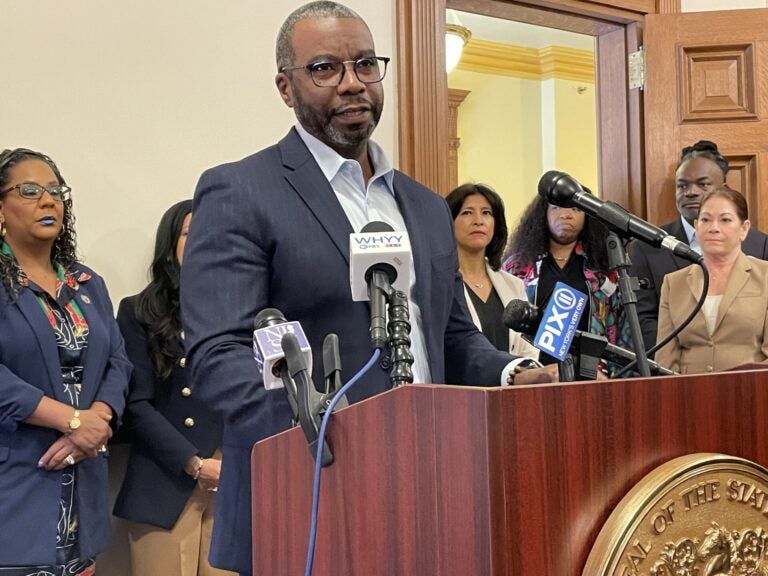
(158, 308)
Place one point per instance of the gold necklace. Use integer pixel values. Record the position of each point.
(478, 285)
(560, 258)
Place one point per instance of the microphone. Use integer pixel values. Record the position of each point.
(522, 316)
(269, 328)
(619, 355)
(379, 262)
(561, 189)
(560, 321)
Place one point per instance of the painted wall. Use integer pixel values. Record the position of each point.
(512, 130)
(575, 139)
(134, 100)
(500, 135)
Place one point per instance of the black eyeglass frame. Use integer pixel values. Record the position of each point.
(312, 68)
(60, 196)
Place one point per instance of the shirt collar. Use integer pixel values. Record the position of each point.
(330, 161)
(689, 230)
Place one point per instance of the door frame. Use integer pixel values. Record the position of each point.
(423, 87)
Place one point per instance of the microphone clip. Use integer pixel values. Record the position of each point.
(308, 404)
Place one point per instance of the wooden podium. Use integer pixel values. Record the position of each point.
(433, 480)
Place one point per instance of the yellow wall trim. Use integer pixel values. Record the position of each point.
(536, 64)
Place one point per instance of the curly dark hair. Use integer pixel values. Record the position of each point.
(530, 240)
(704, 149)
(64, 251)
(496, 246)
(157, 307)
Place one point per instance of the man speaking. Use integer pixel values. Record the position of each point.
(272, 230)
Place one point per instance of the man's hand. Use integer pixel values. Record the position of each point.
(542, 375)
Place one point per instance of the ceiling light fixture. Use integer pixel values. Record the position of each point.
(456, 37)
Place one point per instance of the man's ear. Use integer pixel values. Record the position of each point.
(285, 88)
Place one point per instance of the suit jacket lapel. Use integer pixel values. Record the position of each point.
(306, 178)
(410, 208)
(695, 281)
(95, 354)
(30, 308)
(738, 278)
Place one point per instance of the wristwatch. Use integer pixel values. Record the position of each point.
(74, 423)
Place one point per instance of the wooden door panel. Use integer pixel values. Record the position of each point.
(707, 79)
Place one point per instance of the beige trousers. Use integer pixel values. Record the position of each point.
(180, 551)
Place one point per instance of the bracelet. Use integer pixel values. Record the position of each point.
(199, 467)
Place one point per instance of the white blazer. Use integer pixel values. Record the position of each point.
(508, 288)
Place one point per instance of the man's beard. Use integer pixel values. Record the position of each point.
(318, 123)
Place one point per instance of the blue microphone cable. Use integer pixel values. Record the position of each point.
(319, 458)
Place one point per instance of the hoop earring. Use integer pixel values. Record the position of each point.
(2, 228)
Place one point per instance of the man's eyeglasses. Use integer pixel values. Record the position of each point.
(30, 191)
(330, 73)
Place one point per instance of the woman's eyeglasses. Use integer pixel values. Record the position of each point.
(30, 191)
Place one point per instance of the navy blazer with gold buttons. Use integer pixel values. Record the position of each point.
(166, 425)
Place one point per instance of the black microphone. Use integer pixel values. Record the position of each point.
(308, 400)
(621, 356)
(561, 189)
(522, 316)
(379, 277)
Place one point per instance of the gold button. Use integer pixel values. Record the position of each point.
(186, 392)
(189, 422)
(182, 362)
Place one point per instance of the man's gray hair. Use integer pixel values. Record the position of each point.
(321, 9)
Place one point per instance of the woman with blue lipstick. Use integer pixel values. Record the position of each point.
(63, 379)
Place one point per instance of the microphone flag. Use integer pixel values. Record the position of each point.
(560, 321)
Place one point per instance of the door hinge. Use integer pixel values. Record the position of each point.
(636, 65)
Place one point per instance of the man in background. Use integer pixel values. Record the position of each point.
(701, 169)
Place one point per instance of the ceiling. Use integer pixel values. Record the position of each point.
(519, 34)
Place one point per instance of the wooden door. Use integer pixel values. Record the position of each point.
(707, 78)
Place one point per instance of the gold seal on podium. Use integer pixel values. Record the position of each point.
(698, 515)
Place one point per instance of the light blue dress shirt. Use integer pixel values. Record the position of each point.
(690, 233)
(363, 204)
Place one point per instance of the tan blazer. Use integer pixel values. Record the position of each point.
(508, 288)
(741, 328)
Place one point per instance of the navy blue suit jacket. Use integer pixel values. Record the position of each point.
(29, 370)
(156, 488)
(268, 231)
(652, 264)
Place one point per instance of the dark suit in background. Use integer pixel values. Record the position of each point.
(652, 264)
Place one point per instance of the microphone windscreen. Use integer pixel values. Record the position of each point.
(547, 182)
(268, 317)
(559, 188)
(520, 316)
(376, 226)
